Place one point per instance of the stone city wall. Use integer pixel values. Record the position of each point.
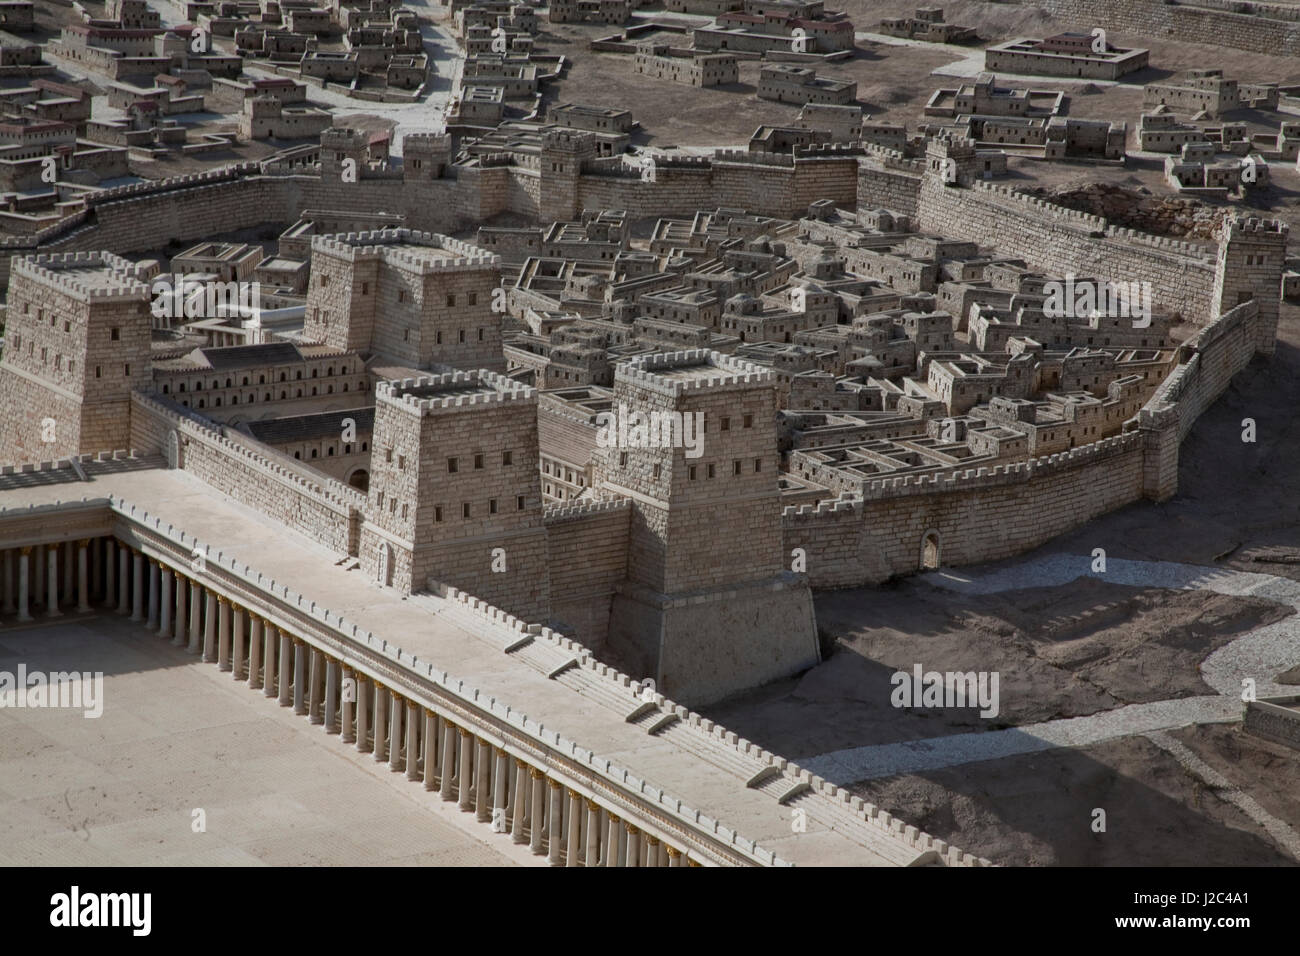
(987, 514)
(587, 547)
(327, 511)
(1221, 350)
(1270, 28)
(1064, 241)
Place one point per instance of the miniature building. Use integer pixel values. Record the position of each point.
(798, 84)
(454, 489)
(76, 346)
(413, 298)
(928, 26)
(716, 69)
(1068, 54)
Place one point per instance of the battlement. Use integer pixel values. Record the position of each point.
(387, 243)
(1254, 228)
(1092, 223)
(431, 394)
(89, 276)
(693, 370)
(334, 494)
(974, 479)
(585, 508)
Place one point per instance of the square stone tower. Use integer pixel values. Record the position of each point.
(77, 335)
(1251, 260)
(455, 494)
(412, 298)
(563, 153)
(709, 606)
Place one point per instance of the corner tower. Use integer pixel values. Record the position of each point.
(1251, 260)
(77, 334)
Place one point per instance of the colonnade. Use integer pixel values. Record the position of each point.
(47, 580)
(503, 791)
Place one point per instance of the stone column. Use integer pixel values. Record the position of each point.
(137, 586)
(270, 660)
(237, 644)
(165, 601)
(154, 570)
(254, 652)
(412, 741)
(299, 677)
(394, 731)
(483, 782)
(196, 618)
(83, 575)
(592, 857)
(210, 628)
(330, 717)
(380, 748)
(24, 564)
(285, 659)
(521, 802)
(537, 814)
(555, 824)
(613, 841)
(348, 705)
(52, 582)
(69, 572)
(633, 844)
(223, 634)
(315, 678)
(365, 703)
(465, 778)
(573, 848)
(501, 788)
(123, 580)
(38, 572)
(8, 588)
(96, 568)
(110, 571)
(675, 856)
(182, 609)
(446, 791)
(430, 750)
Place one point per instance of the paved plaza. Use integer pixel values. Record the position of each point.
(176, 736)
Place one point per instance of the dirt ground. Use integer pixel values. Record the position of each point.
(1037, 810)
(894, 83)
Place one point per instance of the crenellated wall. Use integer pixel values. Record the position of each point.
(327, 511)
(1258, 27)
(1064, 241)
(587, 545)
(987, 514)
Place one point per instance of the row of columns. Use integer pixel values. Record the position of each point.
(504, 791)
(45, 579)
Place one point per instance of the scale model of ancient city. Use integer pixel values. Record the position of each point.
(716, 433)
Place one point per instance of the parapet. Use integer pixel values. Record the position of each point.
(89, 276)
(432, 394)
(388, 243)
(1255, 228)
(693, 370)
(584, 508)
